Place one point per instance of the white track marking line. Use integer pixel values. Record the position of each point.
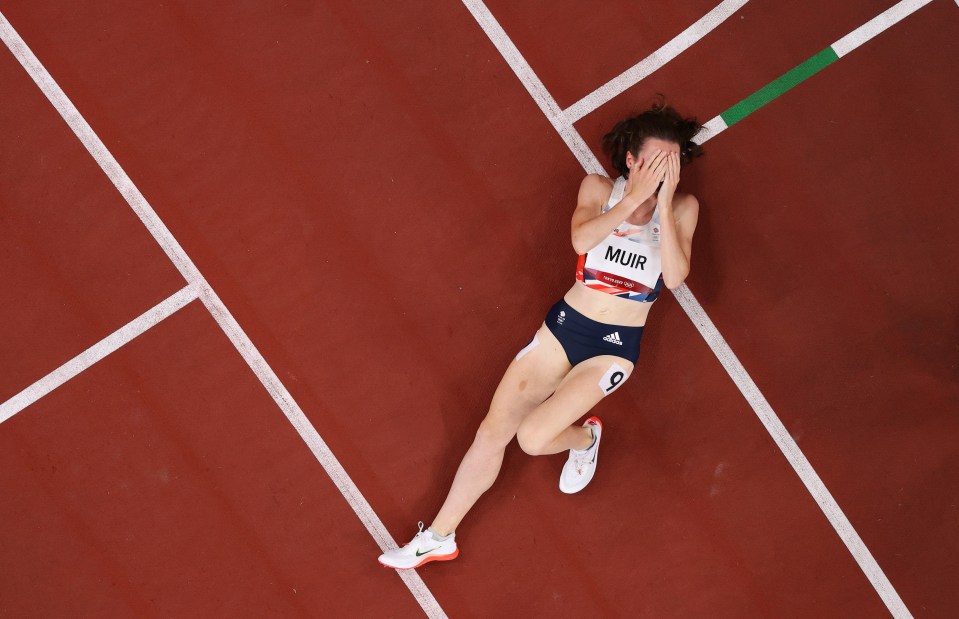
(317, 445)
(534, 86)
(98, 351)
(876, 25)
(640, 71)
(789, 447)
(890, 17)
(220, 313)
(711, 129)
(756, 400)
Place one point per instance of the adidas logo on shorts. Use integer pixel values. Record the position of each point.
(614, 338)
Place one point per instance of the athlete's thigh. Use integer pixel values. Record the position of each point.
(533, 376)
(579, 391)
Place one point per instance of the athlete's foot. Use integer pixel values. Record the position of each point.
(423, 548)
(581, 464)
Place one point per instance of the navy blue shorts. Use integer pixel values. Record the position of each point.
(584, 338)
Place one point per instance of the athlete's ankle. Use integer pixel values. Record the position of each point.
(590, 439)
(437, 535)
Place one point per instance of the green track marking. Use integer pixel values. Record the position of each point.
(778, 86)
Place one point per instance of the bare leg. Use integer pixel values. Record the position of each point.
(572, 437)
(475, 475)
(547, 430)
(527, 383)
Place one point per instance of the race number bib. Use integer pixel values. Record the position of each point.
(613, 378)
(626, 260)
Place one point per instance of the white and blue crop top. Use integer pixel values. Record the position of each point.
(626, 263)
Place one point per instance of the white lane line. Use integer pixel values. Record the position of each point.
(770, 421)
(640, 71)
(786, 443)
(317, 445)
(98, 351)
(220, 313)
(876, 25)
(711, 129)
(534, 86)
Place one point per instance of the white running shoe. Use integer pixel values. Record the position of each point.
(581, 465)
(421, 549)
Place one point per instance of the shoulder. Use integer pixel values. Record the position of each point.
(595, 190)
(596, 184)
(686, 207)
(597, 181)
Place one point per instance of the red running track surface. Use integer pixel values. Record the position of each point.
(61, 227)
(161, 482)
(385, 211)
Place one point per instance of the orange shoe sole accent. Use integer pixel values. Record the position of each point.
(448, 557)
(600, 423)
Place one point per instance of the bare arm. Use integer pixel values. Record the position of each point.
(590, 225)
(678, 218)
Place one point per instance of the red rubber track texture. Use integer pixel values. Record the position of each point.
(161, 482)
(77, 263)
(385, 211)
(574, 50)
(847, 245)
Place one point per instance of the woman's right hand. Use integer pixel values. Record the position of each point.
(645, 176)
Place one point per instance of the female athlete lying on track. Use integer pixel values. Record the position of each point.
(633, 236)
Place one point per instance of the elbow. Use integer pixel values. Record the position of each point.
(675, 280)
(580, 245)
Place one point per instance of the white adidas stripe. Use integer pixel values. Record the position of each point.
(614, 338)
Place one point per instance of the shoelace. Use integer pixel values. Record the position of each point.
(584, 457)
(419, 533)
(422, 538)
(581, 459)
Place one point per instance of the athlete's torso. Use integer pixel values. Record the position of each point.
(618, 280)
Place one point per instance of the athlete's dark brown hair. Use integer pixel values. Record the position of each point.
(659, 121)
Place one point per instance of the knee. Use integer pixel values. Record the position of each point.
(529, 441)
(492, 434)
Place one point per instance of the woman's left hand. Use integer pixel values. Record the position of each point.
(668, 188)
